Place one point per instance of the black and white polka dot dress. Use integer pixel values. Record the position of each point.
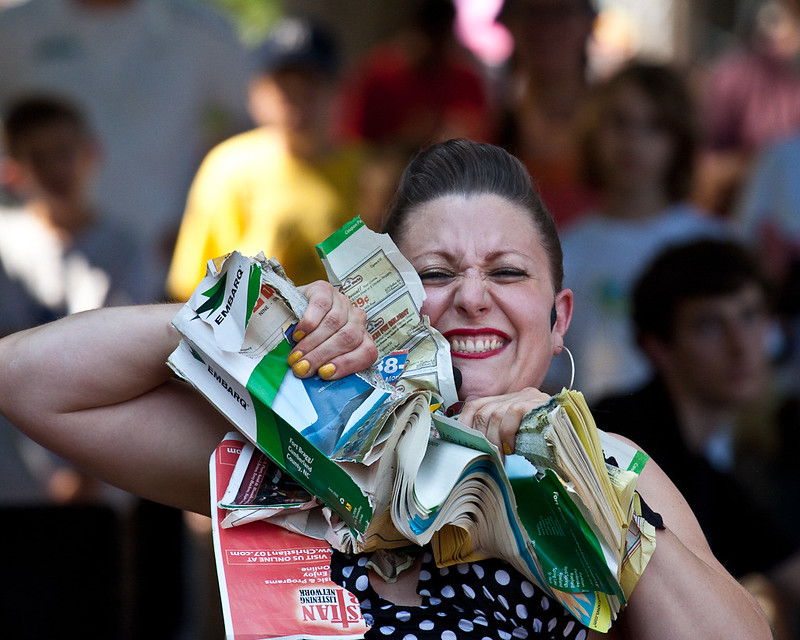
(486, 599)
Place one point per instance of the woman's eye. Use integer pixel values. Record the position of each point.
(435, 275)
(508, 274)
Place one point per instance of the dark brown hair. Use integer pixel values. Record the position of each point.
(33, 112)
(510, 6)
(465, 168)
(696, 269)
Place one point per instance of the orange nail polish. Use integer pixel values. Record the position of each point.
(506, 449)
(301, 368)
(294, 357)
(299, 335)
(326, 370)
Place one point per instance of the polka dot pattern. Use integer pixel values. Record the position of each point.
(486, 600)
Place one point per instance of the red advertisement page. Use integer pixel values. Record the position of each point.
(275, 583)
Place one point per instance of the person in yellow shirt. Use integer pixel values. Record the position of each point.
(284, 186)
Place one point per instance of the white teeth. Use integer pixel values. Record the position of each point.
(480, 345)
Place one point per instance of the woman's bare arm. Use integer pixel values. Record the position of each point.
(95, 388)
(685, 592)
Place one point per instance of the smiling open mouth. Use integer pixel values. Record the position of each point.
(479, 345)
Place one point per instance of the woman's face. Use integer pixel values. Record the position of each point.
(489, 290)
(635, 149)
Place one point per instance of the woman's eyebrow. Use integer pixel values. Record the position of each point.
(449, 256)
(503, 253)
(435, 253)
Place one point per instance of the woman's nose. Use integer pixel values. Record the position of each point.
(472, 295)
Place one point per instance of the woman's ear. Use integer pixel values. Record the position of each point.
(560, 317)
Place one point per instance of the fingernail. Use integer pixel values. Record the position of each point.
(506, 449)
(327, 370)
(294, 357)
(301, 368)
(299, 335)
(454, 409)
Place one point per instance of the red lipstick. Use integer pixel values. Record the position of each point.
(476, 343)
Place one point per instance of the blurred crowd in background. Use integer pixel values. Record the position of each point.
(141, 138)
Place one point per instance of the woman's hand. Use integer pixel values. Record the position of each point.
(332, 337)
(498, 417)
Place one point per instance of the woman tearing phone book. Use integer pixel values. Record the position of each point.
(95, 389)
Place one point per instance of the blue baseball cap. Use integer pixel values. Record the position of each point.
(298, 44)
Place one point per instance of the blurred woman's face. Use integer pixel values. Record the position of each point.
(635, 147)
(489, 290)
